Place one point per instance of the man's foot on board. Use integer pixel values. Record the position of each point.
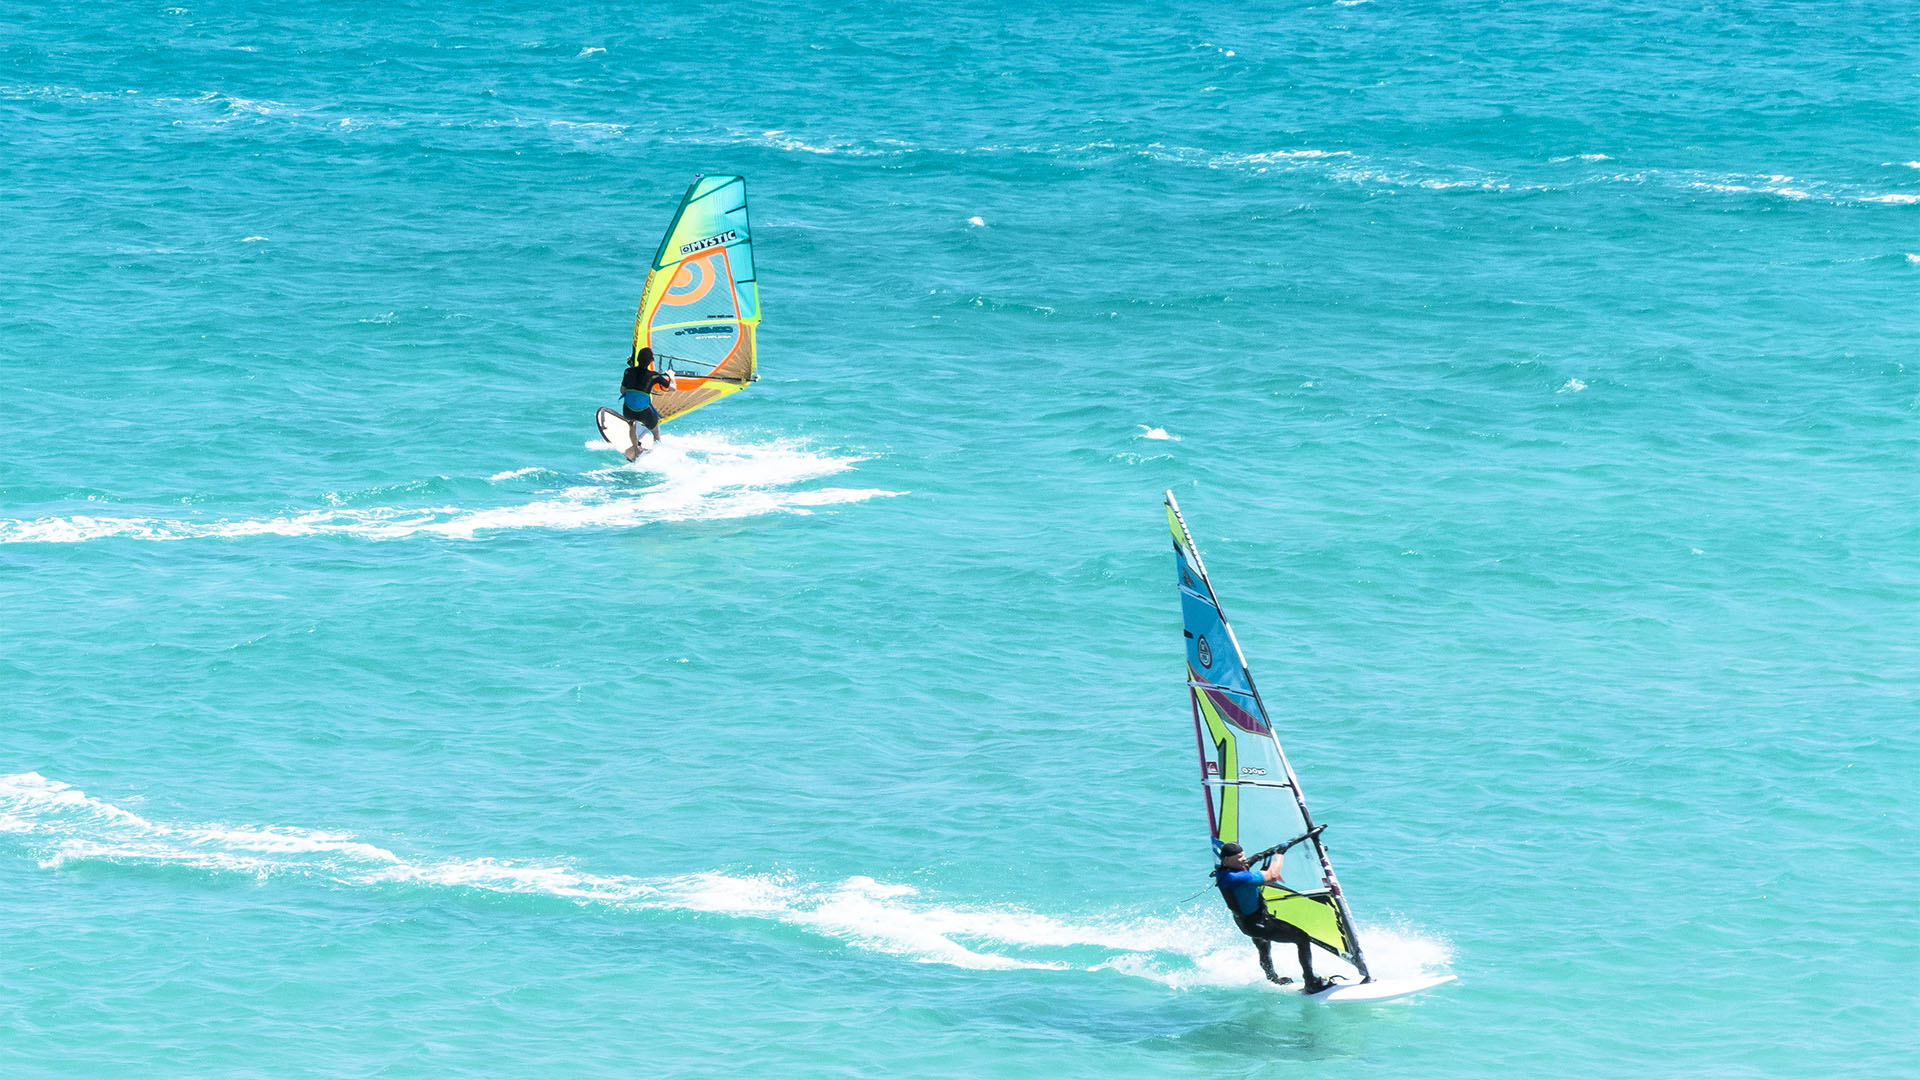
(1279, 980)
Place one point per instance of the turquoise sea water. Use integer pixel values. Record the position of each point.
(1539, 382)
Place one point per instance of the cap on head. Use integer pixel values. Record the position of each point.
(1229, 849)
(643, 358)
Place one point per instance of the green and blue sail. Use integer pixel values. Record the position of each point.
(701, 303)
(1253, 798)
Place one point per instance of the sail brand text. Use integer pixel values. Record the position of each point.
(1248, 770)
(727, 237)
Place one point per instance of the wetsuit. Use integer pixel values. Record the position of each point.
(1241, 890)
(636, 395)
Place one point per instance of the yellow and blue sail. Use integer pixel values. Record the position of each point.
(701, 304)
(1253, 798)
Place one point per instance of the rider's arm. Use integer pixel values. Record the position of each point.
(1240, 877)
(1272, 873)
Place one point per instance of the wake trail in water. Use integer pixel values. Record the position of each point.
(61, 826)
(700, 477)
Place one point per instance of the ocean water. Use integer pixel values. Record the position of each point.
(1539, 381)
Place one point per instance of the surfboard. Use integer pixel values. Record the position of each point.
(618, 431)
(1378, 989)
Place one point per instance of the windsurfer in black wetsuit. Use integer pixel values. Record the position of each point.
(636, 393)
(1240, 887)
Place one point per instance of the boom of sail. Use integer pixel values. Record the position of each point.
(1253, 798)
(701, 302)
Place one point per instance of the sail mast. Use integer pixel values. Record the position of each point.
(1223, 708)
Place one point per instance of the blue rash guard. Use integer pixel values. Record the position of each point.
(1241, 888)
(636, 393)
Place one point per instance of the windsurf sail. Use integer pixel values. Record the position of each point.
(1253, 798)
(701, 302)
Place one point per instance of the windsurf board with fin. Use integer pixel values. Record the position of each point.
(619, 431)
(1378, 989)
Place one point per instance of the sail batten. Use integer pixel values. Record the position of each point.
(1253, 797)
(1245, 783)
(700, 307)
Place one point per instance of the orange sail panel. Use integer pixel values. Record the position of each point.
(701, 303)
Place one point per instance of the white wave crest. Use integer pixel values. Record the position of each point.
(1770, 184)
(701, 477)
(589, 129)
(1194, 946)
(779, 139)
(1157, 434)
(1229, 161)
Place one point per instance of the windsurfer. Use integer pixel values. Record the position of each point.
(1240, 887)
(636, 393)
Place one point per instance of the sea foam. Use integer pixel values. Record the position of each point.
(1184, 947)
(700, 477)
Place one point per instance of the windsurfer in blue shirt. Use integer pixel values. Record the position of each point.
(636, 393)
(1240, 887)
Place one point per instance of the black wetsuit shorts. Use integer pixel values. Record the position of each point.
(1261, 925)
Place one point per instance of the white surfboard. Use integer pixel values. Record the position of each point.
(618, 431)
(1379, 989)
